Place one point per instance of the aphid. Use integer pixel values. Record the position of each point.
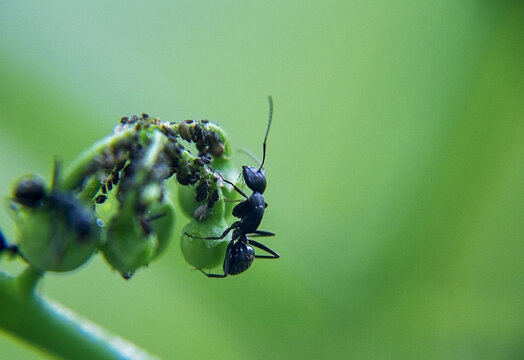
(240, 253)
(198, 162)
(202, 191)
(206, 159)
(100, 199)
(199, 133)
(145, 222)
(115, 177)
(201, 213)
(213, 199)
(184, 130)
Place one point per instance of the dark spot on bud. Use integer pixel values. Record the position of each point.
(30, 191)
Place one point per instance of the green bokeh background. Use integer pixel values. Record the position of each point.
(395, 167)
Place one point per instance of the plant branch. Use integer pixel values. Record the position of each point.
(54, 328)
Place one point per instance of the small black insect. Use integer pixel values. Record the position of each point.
(100, 199)
(240, 253)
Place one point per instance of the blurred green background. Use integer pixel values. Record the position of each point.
(395, 167)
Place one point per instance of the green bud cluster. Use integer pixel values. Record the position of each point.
(114, 199)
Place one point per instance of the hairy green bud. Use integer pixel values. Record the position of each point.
(202, 253)
(55, 231)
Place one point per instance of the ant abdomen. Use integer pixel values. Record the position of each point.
(242, 256)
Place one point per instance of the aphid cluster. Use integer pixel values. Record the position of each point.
(119, 164)
(203, 134)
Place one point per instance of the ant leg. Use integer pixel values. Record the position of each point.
(154, 217)
(212, 237)
(146, 222)
(234, 186)
(228, 200)
(213, 275)
(265, 248)
(261, 233)
(226, 264)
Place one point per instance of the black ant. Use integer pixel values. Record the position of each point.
(239, 254)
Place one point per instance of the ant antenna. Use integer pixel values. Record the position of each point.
(247, 152)
(270, 101)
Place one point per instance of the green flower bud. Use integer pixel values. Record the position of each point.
(164, 225)
(190, 207)
(201, 253)
(55, 231)
(187, 202)
(127, 247)
(132, 243)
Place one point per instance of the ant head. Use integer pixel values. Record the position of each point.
(255, 178)
(30, 191)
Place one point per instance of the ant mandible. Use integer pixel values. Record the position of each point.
(239, 253)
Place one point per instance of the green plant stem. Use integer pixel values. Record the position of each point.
(54, 328)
